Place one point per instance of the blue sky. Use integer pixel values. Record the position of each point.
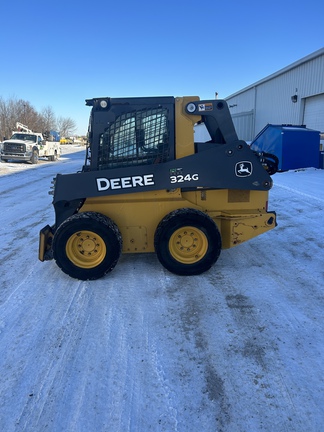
(59, 53)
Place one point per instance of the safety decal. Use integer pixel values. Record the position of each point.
(205, 107)
(243, 169)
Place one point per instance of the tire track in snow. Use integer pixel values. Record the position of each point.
(57, 350)
(300, 193)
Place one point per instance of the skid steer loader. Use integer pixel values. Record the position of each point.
(147, 186)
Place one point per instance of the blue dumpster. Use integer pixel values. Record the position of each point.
(295, 146)
(321, 162)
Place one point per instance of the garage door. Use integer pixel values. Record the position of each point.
(314, 112)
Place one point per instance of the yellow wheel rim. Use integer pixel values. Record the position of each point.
(85, 249)
(188, 245)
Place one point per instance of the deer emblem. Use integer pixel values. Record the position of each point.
(243, 169)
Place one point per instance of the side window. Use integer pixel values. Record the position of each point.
(122, 137)
(155, 129)
(135, 138)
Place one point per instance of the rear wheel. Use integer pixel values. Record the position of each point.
(87, 245)
(187, 242)
(53, 158)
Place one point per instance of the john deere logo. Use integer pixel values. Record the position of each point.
(243, 169)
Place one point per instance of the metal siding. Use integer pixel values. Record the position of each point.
(243, 123)
(241, 108)
(271, 98)
(273, 102)
(242, 103)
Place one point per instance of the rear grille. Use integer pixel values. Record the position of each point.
(14, 148)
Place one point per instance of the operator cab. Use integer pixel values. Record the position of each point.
(130, 132)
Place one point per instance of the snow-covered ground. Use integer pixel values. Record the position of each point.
(14, 166)
(240, 348)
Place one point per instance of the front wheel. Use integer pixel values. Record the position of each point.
(34, 157)
(87, 245)
(187, 242)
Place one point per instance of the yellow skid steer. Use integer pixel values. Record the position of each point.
(148, 185)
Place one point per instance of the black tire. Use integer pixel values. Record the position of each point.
(34, 157)
(187, 242)
(87, 245)
(54, 157)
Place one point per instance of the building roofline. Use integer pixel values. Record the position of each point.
(311, 56)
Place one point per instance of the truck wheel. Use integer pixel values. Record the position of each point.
(54, 157)
(187, 242)
(34, 158)
(87, 245)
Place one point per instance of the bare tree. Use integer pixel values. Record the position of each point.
(25, 113)
(48, 119)
(5, 129)
(18, 110)
(10, 113)
(66, 126)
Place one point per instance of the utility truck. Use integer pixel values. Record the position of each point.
(148, 186)
(29, 146)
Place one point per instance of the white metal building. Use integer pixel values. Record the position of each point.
(293, 95)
